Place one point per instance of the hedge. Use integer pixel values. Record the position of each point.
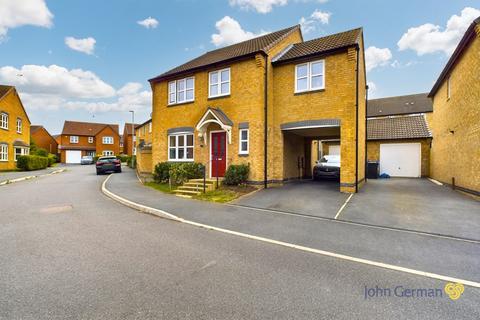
(236, 174)
(29, 163)
(177, 172)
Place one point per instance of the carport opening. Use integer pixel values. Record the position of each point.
(303, 147)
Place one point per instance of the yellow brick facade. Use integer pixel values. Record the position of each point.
(144, 148)
(12, 105)
(455, 123)
(245, 104)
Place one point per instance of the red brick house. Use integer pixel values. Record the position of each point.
(87, 138)
(128, 137)
(43, 139)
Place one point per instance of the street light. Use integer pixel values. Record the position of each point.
(133, 131)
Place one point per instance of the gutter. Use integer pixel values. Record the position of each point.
(357, 49)
(265, 110)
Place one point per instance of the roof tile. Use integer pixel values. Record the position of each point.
(414, 103)
(400, 127)
(85, 128)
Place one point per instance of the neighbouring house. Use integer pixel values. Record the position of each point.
(262, 102)
(143, 132)
(455, 123)
(43, 139)
(129, 138)
(122, 151)
(87, 138)
(14, 128)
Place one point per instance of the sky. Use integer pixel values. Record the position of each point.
(90, 60)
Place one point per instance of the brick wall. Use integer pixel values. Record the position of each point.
(455, 124)
(12, 105)
(43, 140)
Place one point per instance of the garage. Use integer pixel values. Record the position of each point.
(401, 159)
(73, 156)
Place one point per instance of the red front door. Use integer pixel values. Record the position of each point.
(218, 154)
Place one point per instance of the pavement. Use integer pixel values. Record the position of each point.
(411, 250)
(12, 175)
(413, 204)
(69, 252)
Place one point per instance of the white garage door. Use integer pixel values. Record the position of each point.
(334, 150)
(73, 156)
(401, 160)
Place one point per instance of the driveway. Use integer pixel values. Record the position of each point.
(415, 204)
(316, 198)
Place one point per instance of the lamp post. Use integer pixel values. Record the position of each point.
(133, 131)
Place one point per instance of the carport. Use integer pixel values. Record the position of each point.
(301, 146)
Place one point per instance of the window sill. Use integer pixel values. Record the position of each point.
(179, 104)
(243, 154)
(308, 91)
(186, 160)
(6, 129)
(219, 97)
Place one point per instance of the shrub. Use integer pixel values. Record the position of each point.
(236, 174)
(30, 163)
(123, 157)
(51, 159)
(177, 172)
(161, 173)
(40, 152)
(132, 162)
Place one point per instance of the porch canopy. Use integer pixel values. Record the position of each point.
(217, 116)
(318, 129)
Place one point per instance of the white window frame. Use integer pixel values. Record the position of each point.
(90, 139)
(176, 91)
(185, 146)
(23, 152)
(74, 139)
(240, 140)
(4, 120)
(108, 153)
(150, 127)
(19, 125)
(219, 83)
(107, 140)
(3, 152)
(309, 76)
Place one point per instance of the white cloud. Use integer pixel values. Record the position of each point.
(148, 23)
(372, 87)
(430, 38)
(309, 24)
(86, 45)
(56, 88)
(376, 57)
(230, 32)
(261, 6)
(15, 13)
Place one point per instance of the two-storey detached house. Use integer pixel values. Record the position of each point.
(14, 128)
(262, 102)
(87, 138)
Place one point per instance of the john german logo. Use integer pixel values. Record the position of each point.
(452, 290)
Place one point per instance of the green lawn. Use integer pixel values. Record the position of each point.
(163, 187)
(219, 195)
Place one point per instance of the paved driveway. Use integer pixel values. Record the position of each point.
(415, 204)
(321, 198)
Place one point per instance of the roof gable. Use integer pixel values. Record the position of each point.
(464, 43)
(321, 45)
(259, 44)
(5, 90)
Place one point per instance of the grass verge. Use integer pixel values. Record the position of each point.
(163, 187)
(225, 193)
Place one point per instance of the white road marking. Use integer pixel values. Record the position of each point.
(343, 207)
(170, 216)
(436, 182)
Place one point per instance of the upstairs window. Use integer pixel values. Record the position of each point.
(310, 76)
(19, 125)
(182, 90)
(4, 120)
(107, 140)
(219, 83)
(90, 139)
(73, 139)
